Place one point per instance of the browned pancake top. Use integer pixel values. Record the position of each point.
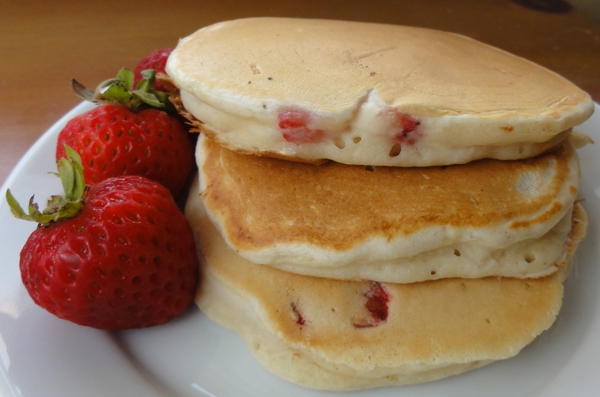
(451, 320)
(434, 318)
(263, 201)
(328, 65)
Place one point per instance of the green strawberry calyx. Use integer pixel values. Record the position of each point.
(120, 91)
(70, 172)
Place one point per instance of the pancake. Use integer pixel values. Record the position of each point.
(368, 94)
(393, 224)
(343, 335)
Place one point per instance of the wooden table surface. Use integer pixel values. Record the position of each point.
(43, 45)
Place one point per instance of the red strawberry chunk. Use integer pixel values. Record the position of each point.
(294, 127)
(404, 127)
(377, 305)
(299, 318)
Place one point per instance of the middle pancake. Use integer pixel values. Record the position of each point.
(484, 218)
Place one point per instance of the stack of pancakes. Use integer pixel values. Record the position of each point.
(378, 205)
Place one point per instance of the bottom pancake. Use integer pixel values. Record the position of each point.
(343, 335)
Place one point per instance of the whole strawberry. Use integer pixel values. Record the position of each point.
(157, 61)
(118, 254)
(130, 133)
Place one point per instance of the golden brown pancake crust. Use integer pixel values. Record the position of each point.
(329, 65)
(428, 325)
(262, 201)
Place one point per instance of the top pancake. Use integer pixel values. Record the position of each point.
(369, 94)
(487, 217)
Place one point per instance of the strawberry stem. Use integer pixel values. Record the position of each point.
(120, 91)
(70, 171)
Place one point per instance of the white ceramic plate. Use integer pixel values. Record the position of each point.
(41, 355)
